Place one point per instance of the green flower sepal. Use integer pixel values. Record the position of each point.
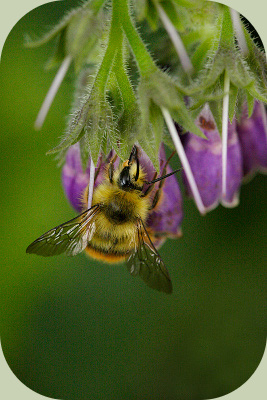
(93, 125)
(77, 35)
(158, 91)
(226, 59)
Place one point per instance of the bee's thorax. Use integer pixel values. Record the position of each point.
(119, 210)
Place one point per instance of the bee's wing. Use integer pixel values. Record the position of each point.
(146, 262)
(71, 237)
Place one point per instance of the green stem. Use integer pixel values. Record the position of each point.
(123, 81)
(114, 43)
(144, 61)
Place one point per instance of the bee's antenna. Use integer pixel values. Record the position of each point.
(111, 168)
(163, 177)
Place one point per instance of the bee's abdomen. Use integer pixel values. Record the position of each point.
(109, 257)
(111, 246)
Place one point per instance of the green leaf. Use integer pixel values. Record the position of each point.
(256, 61)
(149, 145)
(57, 29)
(157, 123)
(216, 106)
(216, 110)
(59, 52)
(161, 89)
(78, 33)
(247, 75)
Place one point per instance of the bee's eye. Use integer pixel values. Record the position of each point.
(125, 179)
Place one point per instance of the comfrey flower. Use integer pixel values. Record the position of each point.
(205, 72)
(252, 133)
(205, 159)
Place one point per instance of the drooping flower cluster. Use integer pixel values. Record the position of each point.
(205, 159)
(211, 100)
(246, 153)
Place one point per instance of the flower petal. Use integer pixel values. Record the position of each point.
(166, 219)
(75, 180)
(253, 139)
(205, 159)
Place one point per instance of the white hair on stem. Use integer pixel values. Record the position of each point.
(235, 16)
(183, 158)
(225, 117)
(91, 184)
(176, 40)
(52, 92)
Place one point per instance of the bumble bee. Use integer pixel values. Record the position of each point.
(114, 228)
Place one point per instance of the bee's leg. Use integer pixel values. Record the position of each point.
(98, 169)
(111, 168)
(161, 183)
(134, 157)
(156, 196)
(150, 187)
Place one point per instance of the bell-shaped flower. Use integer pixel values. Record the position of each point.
(205, 159)
(252, 133)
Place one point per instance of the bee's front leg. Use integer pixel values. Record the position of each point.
(111, 168)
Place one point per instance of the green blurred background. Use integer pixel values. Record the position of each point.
(73, 328)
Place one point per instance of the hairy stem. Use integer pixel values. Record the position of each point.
(143, 59)
(123, 81)
(115, 42)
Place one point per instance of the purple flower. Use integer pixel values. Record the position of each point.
(163, 221)
(75, 180)
(205, 159)
(252, 133)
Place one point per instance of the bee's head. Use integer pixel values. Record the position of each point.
(131, 176)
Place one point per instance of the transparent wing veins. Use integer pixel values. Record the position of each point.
(146, 262)
(71, 237)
